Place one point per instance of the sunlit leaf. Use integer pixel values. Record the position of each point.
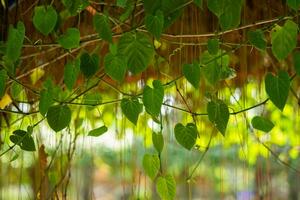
(44, 19)
(166, 187)
(277, 88)
(151, 165)
(70, 39)
(98, 131)
(186, 136)
(138, 49)
(59, 117)
(262, 124)
(158, 141)
(284, 39)
(218, 114)
(131, 109)
(153, 98)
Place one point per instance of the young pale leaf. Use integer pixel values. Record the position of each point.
(98, 131)
(44, 19)
(115, 66)
(155, 23)
(284, 39)
(294, 4)
(23, 139)
(46, 100)
(218, 114)
(158, 141)
(186, 136)
(151, 165)
(192, 73)
(59, 117)
(213, 46)
(3, 78)
(131, 108)
(257, 39)
(70, 39)
(71, 73)
(166, 187)
(15, 42)
(153, 98)
(138, 49)
(262, 124)
(277, 88)
(296, 62)
(89, 64)
(102, 26)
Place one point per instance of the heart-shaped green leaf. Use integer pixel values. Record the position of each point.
(187, 135)
(98, 131)
(70, 39)
(166, 187)
(71, 73)
(89, 64)
(23, 139)
(115, 66)
(151, 165)
(277, 88)
(102, 26)
(284, 39)
(294, 4)
(153, 98)
(44, 19)
(218, 114)
(262, 124)
(46, 100)
(192, 73)
(3, 78)
(75, 6)
(158, 141)
(213, 46)
(59, 117)
(131, 109)
(257, 39)
(138, 49)
(155, 23)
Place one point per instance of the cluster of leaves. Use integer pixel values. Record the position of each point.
(132, 53)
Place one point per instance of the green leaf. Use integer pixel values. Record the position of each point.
(262, 124)
(3, 78)
(46, 100)
(71, 72)
(192, 73)
(115, 66)
(257, 39)
(102, 26)
(59, 117)
(166, 187)
(187, 135)
(198, 3)
(218, 114)
(75, 6)
(155, 23)
(294, 4)
(213, 46)
(89, 64)
(16, 90)
(121, 3)
(153, 98)
(277, 88)
(216, 6)
(131, 109)
(296, 62)
(284, 39)
(138, 49)
(23, 139)
(92, 99)
(98, 131)
(151, 165)
(213, 65)
(70, 39)
(158, 141)
(15, 42)
(44, 19)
